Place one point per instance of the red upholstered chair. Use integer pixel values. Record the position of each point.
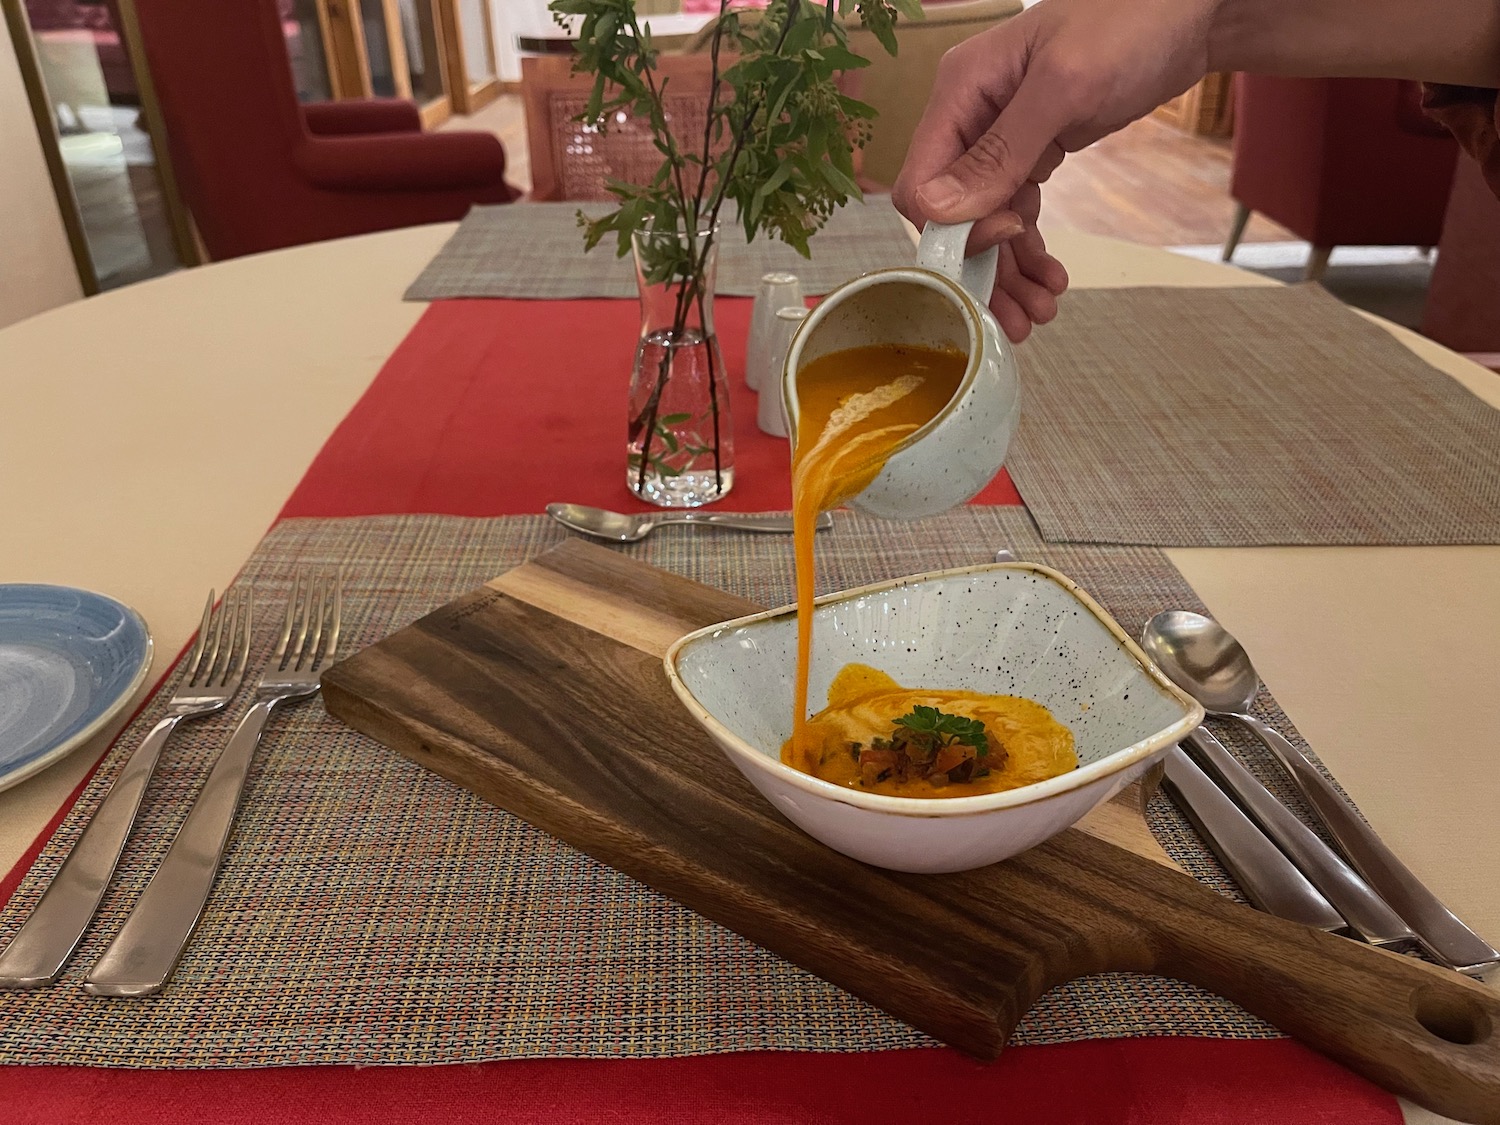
(1339, 161)
(1463, 299)
(260, 172)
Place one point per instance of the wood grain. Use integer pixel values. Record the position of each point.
(578, 732)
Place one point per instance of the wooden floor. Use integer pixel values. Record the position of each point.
(1148, 183)
(1154, 184)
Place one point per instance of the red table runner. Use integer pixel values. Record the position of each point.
(493, 408)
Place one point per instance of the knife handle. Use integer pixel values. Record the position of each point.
(1439, 930)
(1350, 895)
(1270, 880)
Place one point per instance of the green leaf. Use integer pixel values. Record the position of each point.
(779, 133)
(839, 179)
(949, 728)
(842, 58)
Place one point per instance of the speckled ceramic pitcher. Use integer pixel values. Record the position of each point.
(940, 303)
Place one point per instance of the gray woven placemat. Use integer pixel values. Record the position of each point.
(370, 912)
(1246, 417)
(535, 250)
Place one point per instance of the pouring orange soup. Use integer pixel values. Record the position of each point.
(855, 407)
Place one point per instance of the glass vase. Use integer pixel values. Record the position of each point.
(680, 438)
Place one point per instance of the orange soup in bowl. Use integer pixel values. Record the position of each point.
(856, 407)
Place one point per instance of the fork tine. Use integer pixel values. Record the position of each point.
(279, 656)
(308, 657)
(231, 613)
(338, 613)
(213, 656)
(211, 660)
(196, 655)
(242, 639)
(303, 614)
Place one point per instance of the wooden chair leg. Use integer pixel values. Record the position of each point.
(1317, 263)
(1236, 231)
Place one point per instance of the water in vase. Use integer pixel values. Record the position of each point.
(679, 421)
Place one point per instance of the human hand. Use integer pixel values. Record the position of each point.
(1010, 103)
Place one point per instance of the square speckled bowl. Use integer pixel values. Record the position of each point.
(1009, 629)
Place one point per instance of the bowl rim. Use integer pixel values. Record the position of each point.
(929, 807)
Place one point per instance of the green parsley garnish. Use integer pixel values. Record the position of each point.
(948, 728)
(929, 745)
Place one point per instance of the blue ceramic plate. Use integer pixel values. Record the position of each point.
(69, 661)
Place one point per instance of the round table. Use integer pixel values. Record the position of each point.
(151, 435)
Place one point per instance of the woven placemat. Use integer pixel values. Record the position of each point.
(370, 912)
(535, 250)
(1246, 417)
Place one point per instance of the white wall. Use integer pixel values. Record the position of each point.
(511, 18)
(36, 266)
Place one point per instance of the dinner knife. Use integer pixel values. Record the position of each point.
(1350, 895)
(1270, 880)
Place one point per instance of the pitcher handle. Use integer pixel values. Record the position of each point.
(942, 251)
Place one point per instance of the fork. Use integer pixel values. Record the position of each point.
(144, 953)
(215, 665)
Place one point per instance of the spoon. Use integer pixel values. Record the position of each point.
(1203, 659)
(618, 527)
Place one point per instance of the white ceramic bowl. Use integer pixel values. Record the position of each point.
(1014, 629)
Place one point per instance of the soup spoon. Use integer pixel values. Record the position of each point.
(619, 527)
(1201, 657)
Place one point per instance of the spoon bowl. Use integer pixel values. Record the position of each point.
(1203, 659)
(622, 527)
(618, 527)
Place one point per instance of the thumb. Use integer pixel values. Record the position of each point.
(997, 164)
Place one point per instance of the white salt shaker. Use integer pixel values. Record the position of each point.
(777, 291)
(770, 414)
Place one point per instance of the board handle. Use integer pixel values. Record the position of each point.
(1426, 1033)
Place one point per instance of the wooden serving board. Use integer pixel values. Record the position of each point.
(531, 692)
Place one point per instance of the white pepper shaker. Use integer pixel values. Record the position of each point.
(777, 291)
(770, 414)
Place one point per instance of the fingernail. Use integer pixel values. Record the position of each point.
(1011, 227)
(941, 193)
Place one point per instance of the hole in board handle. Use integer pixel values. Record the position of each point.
(1452, 1017)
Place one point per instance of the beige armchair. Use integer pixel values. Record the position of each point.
(898, 87)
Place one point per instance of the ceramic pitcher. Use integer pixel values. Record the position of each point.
(942, 302)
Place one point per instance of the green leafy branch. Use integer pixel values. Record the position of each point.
(778, 140)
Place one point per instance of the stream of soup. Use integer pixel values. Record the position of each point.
(855, 407)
